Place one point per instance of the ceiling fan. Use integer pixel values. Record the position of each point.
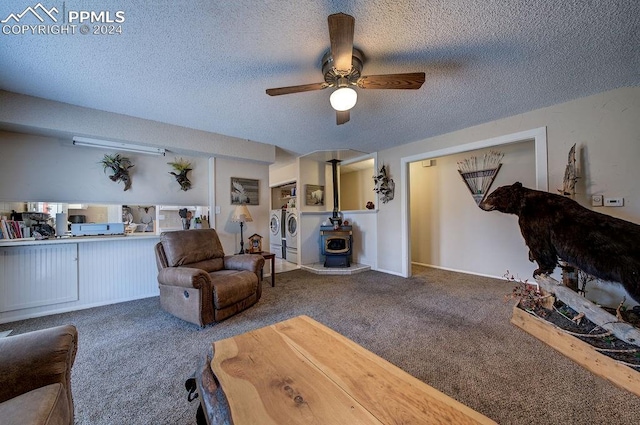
(342, 68)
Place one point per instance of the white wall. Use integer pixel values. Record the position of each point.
(228, 231)
(311, 216)
(284, 171)
(36, 168)
(448, 230)
(388, 224)
(365, 238)
(606, 128)
(314, 173)
(50, 169)
(40, 116)
(309, 234)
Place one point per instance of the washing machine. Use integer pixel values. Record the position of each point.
(276, 229)
(291, 238)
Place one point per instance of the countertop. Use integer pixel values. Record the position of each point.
(76, 239)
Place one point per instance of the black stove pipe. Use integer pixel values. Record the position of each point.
(334, 169)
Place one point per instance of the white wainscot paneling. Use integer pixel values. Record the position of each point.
(117, 271)
(34, 276)
(65, 275)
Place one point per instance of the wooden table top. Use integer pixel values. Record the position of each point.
(300, 372)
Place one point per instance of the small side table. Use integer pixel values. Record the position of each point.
(269, 256)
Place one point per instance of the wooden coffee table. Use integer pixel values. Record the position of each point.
(301, 372)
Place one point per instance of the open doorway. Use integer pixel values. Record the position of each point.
(449, 231)
(442, 225)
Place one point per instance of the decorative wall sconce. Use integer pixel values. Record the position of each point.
(182, 167)
(384, 186)
(119, 166)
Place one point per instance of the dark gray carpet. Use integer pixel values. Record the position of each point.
(450, 330)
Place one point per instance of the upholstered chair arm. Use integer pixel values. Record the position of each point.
(186, 277)
(250, 262)
(36, 359)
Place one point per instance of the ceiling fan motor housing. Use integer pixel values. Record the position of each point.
(342, 68)
(333, 77)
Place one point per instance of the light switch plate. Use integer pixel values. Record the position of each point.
(596, 200)
(613, 202)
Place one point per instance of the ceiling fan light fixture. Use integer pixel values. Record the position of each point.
(343, 99)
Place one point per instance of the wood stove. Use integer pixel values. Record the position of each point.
(336, 240)
(336, 245)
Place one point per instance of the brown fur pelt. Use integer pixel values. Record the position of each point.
(554, 226)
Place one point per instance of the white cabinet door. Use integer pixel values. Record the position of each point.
(32, 276)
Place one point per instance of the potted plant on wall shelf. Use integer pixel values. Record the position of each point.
(119, 166)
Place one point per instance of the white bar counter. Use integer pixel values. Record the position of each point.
(76, 239)
(42, 277)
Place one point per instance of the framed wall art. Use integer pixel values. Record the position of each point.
(314, 194)
(244, 191)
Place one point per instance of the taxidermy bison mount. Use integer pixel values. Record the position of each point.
(554, 226)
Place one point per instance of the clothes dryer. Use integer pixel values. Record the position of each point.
(291, 238)
(276, 232)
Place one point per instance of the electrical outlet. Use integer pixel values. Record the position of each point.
(596, 200)
(613, 202)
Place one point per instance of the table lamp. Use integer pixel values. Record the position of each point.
(241, 215)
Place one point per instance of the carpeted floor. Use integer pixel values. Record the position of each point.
(450, 330)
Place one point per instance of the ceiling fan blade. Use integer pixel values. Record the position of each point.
(411, 81)
(341, 28)
(342, 117)
(297, 89)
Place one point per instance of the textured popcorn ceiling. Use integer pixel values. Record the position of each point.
(206, 64)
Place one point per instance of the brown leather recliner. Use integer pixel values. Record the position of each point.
(201, 285)
(35, 376)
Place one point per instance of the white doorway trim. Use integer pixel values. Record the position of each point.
(538, 135)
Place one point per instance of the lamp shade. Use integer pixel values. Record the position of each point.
(241, 214)
(343, 99)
